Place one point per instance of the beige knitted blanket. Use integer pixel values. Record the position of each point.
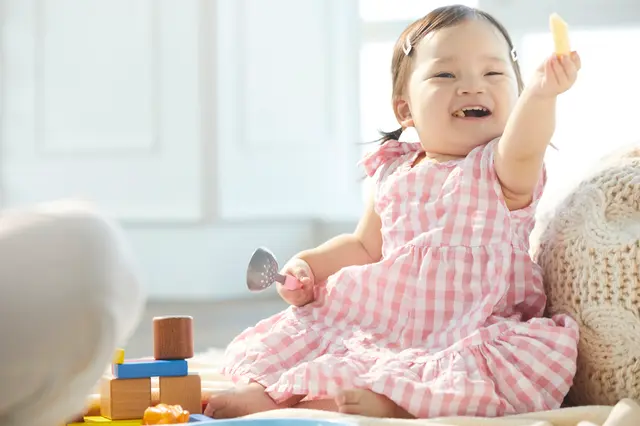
(589, 250)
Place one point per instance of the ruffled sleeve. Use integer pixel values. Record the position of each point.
(388, 154)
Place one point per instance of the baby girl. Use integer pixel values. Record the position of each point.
(432, 306)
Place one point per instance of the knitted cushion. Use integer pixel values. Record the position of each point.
(589, 251)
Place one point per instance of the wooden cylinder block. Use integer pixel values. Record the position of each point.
(173, 337)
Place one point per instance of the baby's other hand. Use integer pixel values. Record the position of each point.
(299, 269)
(555, 75)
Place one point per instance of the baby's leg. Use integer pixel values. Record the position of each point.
(318, 404)
(360, 402)
(244, 400)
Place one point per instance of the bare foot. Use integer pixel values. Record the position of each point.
(364, 402)
(239, 401)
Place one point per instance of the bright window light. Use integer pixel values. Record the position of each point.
(596, 116)
(398, 10)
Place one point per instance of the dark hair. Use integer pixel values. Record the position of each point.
(442, 17)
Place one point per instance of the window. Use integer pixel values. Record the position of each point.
(382, 22)
(595, 116)
(401, 10)
(591, 117)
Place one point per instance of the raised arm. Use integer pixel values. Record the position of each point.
(520, 152)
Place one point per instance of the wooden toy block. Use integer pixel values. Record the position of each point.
(141, 369)
(185, 391)
(105, 421)
(173, 337)
(124, 399)
(118, 356)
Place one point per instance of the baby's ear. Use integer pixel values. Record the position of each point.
(403, 113)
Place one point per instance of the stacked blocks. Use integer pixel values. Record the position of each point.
(173, 343)
(125, 396)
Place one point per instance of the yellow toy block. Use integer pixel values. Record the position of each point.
(560, 33)
(106, 421)
(118, 357)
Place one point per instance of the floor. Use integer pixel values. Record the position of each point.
(215, 323)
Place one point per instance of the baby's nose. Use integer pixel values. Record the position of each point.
(471, 86)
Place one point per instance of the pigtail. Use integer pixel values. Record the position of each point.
(389, 136)
(384, 138)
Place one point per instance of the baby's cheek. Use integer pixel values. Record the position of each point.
(502, 119)
(508, 99)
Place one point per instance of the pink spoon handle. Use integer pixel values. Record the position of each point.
(292, 283)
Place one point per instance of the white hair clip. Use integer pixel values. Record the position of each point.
(514, 55)
(406, 48)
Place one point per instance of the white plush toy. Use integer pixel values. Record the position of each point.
(70, 296)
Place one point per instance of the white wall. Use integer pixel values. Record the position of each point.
(207, 127)
(211, 127)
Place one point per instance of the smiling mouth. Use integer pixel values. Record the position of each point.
(472, 112)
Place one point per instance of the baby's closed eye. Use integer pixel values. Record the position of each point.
(451, 75)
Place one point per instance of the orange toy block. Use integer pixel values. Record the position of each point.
(124, 399)
(185, 391)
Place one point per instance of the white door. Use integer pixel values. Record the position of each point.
(287, 108)
(100, 99)
(207, 127)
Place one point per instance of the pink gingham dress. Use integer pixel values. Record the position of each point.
(449, 322)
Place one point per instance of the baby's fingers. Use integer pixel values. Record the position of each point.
(556, 71)
(568, 66)
(298, 297)
(577, 61)
(305, 281)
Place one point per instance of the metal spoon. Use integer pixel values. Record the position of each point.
(263, 272)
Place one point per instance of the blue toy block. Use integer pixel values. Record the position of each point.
(143, 369)
(196, 418)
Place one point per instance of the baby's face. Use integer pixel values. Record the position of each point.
(462, 87)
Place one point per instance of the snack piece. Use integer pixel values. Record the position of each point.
(164, 414)
(560, 33)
